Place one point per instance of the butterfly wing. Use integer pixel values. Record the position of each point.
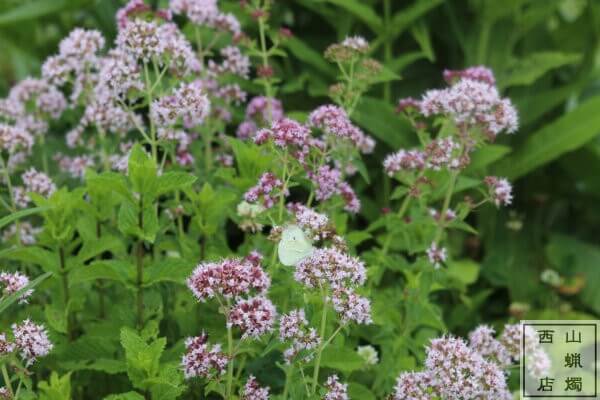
(293, 246)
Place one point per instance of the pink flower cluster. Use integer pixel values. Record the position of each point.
(31, 340)
(268, 187)
(13, 282)
(253, 391)
(292, 326)
(285, 133)
(232, 279)
(201, 359)
(472, 103)
(457, 370)
(315, 224)
(500, 190)
(334, 120)
(328, 182)
(188, 103)
(436, 255)
(453, 371)
(233, 62)
(206, 13)
(438, 154)
(26, 234)
(477, 73)
(335, 389)
(149, 41)
(229, 278)
(330, 267)
(261, 111)
(254, 316)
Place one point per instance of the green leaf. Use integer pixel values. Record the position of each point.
(529, 69)
(96, 247)
(10, 299)
(20, 214)
(487, 155)
(307, 55)
(168, 270)
(358, 391)
(56, 318)
(31, 10)
(405, 18)
(142, 358)
(465, 271)
(128, 219)
(110, 181)
(170, 181)
(362, 12)
(113, 270)
(570, 257)
(142, 172)
(341, 358)
(34, 255)
(56, 388)
(565, 134)
(380, 119)
(125, 396)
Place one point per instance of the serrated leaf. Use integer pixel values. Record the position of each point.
(171, 181)
(114, 270)
(342, 359)
(168, 270)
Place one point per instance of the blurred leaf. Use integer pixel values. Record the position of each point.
(20, 214)
(32, 9)
(565, 134)
(379, 118)
(529, 69)
(361, 11)
(306, 54)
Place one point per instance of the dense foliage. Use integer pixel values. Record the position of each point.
(292, 200)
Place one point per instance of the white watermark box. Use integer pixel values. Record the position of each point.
(559, 359)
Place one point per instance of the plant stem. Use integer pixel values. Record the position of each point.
(322, 346)
(7, 381)
(230, 364)
(140, 268)
(65, 285)
(149, 88)
(387, 47)
(445, 206)
(284, 189)
(265, 62)
(286, 387)
(4, 167)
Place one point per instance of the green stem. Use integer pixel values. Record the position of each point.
(44, 155)
(230, 364)
(445, 206)
(288, 375)
(7, 381)
(140, 269)
(208, 157)
(265, 62)
(315, 379)
(387, 47)
(284, 189)
(149, 88)
(66, 294)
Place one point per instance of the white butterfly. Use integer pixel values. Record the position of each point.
(294, 246)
